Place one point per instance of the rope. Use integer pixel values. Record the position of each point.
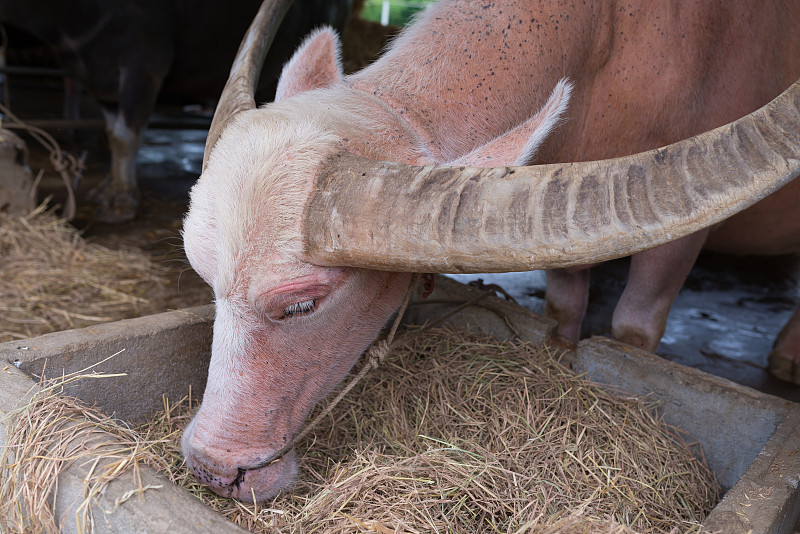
(375, 356)
(62, 162)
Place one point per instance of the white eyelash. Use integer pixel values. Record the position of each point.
(299, 308)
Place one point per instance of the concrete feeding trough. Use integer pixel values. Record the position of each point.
(751, 440)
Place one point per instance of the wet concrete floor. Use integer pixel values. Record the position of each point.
(724, 320)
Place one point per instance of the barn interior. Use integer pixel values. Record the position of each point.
(723, 322)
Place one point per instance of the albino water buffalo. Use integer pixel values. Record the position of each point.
(312, 211)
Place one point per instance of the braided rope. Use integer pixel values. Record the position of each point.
(375, 356)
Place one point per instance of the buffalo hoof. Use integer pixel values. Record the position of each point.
(784, 366)
(114, 206)
(784, 360)
(637, 336)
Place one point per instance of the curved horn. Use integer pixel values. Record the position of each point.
(396, 217)
(239, 91)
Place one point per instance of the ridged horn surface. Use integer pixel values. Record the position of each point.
(239, 91)
(390, 216)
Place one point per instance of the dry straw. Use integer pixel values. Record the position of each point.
(458, 434)
(48, 435)
(53, 279)
(452, 434)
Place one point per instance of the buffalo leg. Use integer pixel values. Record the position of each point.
(566, 299)
(654, 280)
(118, 195)
(784, 360)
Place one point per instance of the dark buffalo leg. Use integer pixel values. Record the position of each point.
(118, 195)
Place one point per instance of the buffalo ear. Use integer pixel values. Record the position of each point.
(317, 63)
(518, 146)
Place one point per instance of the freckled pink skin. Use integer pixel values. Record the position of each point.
(645, 74)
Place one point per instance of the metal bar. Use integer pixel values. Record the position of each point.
(33, 71)
(167, 123)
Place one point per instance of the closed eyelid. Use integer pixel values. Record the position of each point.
(299, 308)
(289, 305)
(296, 297)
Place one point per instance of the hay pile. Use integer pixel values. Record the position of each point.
(52, 279)
(46, 437)
(451, 434)
(471, 435)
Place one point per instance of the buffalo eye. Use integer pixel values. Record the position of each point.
(299, 308)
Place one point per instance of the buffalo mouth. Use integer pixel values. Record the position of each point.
(255, 484)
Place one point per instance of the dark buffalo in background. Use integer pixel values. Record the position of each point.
(128, 53)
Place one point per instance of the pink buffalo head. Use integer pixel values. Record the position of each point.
(286, 330)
